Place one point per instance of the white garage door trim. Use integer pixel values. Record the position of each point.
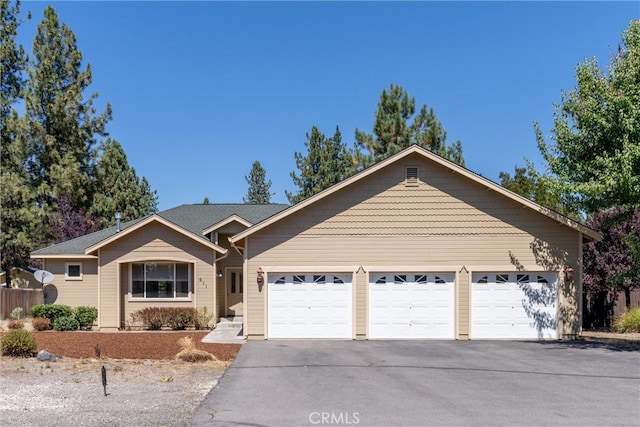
(309, 306)
(514, 306)
(411, 305)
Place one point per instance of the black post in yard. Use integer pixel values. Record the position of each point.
(104, 379)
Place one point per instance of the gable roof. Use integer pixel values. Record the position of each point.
(226, 221)
(191, 220)
(453, 167)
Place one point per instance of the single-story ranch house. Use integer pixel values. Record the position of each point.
(412, 247)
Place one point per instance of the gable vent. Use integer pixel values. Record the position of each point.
(412, 176)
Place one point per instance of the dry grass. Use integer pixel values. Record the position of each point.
(190, 353)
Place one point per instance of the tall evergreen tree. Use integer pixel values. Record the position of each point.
(527, 183)
(326, 163)
(13, 59)
(17, 204)
(62, 126)
(119, 189)
(259, 188)
(397, 126)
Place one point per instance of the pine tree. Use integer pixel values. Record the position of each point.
(119, 189)
(259, 188)
(526, 182)
(62, 126)
(397, 126)
(13, 59)
(17, 204)
(326, 163)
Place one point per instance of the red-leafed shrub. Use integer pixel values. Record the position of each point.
(41, 324)
(15, 324)
(175, 318)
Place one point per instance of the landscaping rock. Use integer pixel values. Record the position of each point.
(45, 356)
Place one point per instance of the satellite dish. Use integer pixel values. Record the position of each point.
(43, 276)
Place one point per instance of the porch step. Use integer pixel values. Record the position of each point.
(229, 323)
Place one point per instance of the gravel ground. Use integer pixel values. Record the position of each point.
(70, 392)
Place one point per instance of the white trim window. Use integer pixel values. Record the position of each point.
(73, 271)
(154, 280)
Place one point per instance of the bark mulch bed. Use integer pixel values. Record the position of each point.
(156, 345)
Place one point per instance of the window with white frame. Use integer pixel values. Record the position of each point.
(73, 271)
(160, 280)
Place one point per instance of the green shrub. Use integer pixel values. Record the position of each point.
(180, 318)
(51, 311)
(86, 316)
(628, 321)
(41, 324)
(18, 343)
(17, 313)
(66, 323)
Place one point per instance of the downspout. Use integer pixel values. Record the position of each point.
(216, 259)
(579, 285)
(237, 248)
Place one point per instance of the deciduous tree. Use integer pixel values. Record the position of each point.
(68, 223)
(594, 148)
(613, 264)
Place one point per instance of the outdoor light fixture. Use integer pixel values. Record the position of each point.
(568, 274)
(219, 273)
(260, 278)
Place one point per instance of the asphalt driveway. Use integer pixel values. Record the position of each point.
(426, 383)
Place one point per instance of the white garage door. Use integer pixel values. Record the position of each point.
(514, 305)
(309, 306)
(411, 305)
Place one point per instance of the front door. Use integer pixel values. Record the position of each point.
(234, 284)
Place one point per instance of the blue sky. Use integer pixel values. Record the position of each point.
(200, 90)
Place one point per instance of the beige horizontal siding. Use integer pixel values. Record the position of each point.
(445, 223)
(144, 245)
(74, 293)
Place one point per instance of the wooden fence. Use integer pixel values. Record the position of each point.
(11, 298)
(601, 309)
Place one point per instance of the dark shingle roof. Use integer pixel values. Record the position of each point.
(192, 218)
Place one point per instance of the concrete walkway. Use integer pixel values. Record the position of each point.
(227, 331)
